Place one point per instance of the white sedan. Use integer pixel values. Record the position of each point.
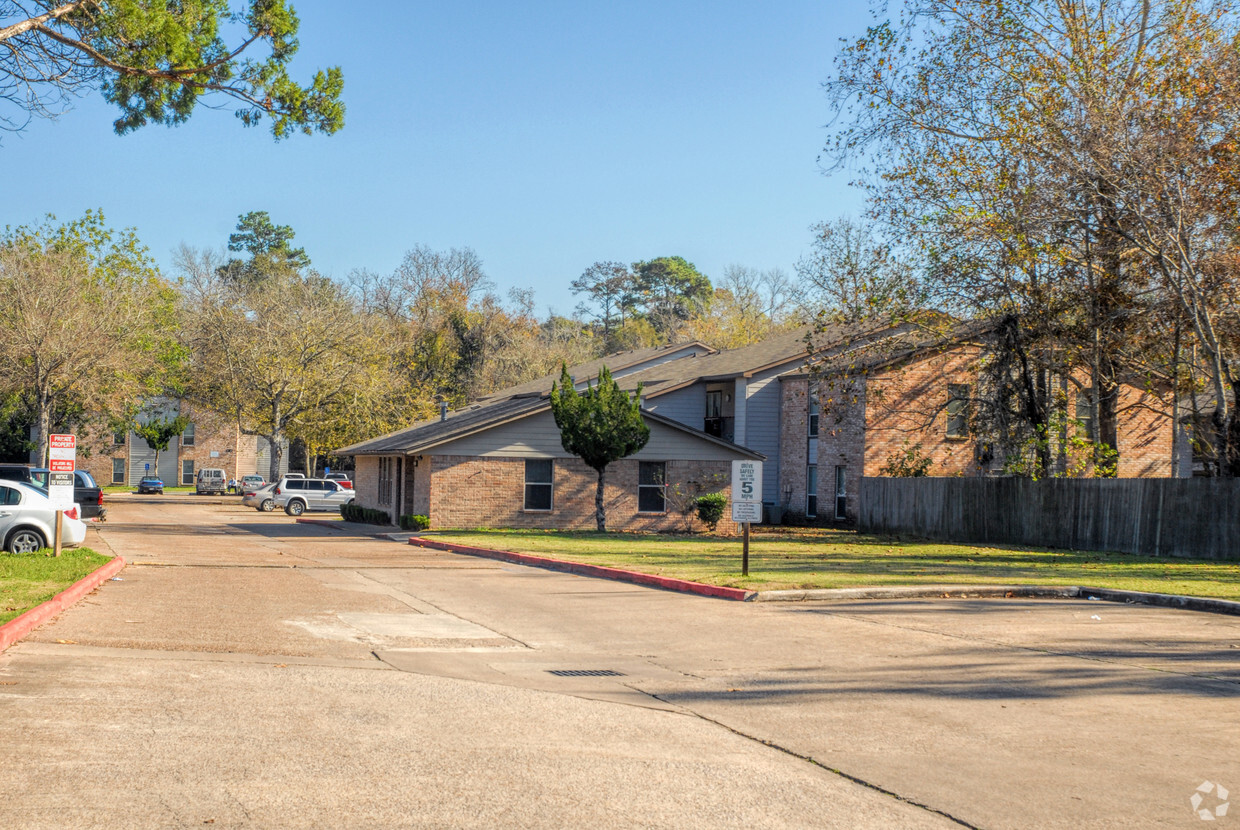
(28, 519)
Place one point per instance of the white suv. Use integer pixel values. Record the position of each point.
(297, 495)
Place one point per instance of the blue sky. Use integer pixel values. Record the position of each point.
(544, 136)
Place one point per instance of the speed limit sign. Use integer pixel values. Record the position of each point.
(747, 492)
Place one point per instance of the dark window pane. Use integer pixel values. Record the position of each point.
(8, 495)
(538, 471)
(811, 507)
(538, 497)
(651, 472)
(650, 499)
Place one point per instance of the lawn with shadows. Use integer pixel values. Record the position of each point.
(30, 579)
(823, 558)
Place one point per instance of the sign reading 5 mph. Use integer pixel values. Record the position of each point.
(747, 492)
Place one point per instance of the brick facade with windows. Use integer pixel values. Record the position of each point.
(867, 420)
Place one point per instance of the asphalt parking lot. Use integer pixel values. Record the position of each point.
(245, 671)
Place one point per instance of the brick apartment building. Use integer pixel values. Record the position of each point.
(210, 440)
(497, 462)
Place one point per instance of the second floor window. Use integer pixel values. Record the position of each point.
(957, 410)
(813, 417)
(187, 437)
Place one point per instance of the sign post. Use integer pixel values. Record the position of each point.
(746, 501)
(62, 461)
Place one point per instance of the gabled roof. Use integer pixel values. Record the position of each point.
(465, 422)
(617, 363)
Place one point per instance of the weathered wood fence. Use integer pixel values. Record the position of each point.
(1195, 517)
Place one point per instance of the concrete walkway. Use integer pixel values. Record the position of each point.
(248, 671)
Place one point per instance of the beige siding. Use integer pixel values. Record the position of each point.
(538, 437)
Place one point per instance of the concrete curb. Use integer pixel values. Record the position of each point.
(920, 591)
(18, 627)
(681, 585)
(1214, 606)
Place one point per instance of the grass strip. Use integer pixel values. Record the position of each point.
(824, 558)
(31, 579)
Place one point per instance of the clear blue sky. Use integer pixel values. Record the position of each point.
(545, 136)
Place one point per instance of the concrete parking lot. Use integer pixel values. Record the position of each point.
(245, 671)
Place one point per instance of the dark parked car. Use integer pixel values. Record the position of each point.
(86, 493)
(150, 484)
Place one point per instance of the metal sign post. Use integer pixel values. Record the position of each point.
(746, 501)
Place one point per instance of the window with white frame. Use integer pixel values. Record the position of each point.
(539, 473)
(813, 417)
(811, 491)
(187, 471)
(651, 478)
(118, 471)
(187, 437)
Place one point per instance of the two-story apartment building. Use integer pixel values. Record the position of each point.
(818, 432)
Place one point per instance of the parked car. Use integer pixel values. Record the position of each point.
(254, 482)
(261, 498)
(28, 519)
(342, 479)
(297, 495)
(210, 480)
(151, 484)
(86, 493)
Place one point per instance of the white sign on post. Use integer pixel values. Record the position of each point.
(62, 460)
(747, 492)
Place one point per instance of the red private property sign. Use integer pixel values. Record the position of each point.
(62, 453)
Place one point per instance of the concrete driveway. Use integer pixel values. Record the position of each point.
(246, 671)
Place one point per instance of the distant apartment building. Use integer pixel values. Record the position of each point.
(209, 440)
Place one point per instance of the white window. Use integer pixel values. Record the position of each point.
(187, 437)
(118, 471)
(538, 483)
(651, 477)
(187, 471)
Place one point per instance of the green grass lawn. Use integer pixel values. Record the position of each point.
(820, 558)
(27, 580)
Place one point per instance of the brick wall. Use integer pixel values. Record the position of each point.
(1145, 428)
(469, 491)
(908, 406)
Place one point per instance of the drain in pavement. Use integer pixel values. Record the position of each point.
(585, 673)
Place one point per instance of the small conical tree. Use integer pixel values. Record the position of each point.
(159, 434)
(601, 425)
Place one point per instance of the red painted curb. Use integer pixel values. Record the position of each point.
(682, 585)
(19, 627)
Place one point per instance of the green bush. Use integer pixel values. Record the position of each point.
(365, 515)
(710, 508)
(415, 521)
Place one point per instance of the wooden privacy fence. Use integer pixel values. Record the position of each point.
(1193, 517)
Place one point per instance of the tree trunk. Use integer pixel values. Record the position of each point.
(42, 427)
(600, 515)
(276, 439)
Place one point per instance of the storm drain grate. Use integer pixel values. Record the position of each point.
(585, 673)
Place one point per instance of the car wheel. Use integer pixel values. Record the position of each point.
(268, 505)
(26, 541)
(295, 508)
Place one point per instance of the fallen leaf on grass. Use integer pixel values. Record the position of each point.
(67, 642)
